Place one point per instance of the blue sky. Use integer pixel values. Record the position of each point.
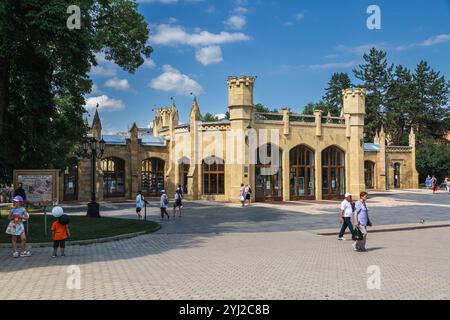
(292, 46)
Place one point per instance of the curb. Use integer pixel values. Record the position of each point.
(389, 229)
(87, 241)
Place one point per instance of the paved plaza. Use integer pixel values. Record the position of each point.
(266, 251)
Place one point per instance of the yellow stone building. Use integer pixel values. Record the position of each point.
(282, 156)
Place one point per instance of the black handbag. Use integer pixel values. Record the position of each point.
(357, 235)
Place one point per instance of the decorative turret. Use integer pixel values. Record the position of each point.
(96, 125)
(354, 101)
(240, 99)
(134, 131)
(195, 112)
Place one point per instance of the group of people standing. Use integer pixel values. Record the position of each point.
(163, 203)
(360, 214)
(431, 182)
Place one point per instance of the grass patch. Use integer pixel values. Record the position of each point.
(81, 228)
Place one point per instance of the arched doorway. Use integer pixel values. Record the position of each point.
(113, 177)
(213, 170)
(152, 176)
(184, 166)
(397, 175)
(268, 174)
(333, 173)
(369, 174)
(301, 173)
(71, 181)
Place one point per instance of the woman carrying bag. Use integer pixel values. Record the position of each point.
(362, 221)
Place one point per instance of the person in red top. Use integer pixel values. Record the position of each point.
(60, 232)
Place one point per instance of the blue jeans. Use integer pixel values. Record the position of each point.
(347, 223)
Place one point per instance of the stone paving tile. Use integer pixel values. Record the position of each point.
(276, 265)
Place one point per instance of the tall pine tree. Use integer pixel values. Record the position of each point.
(333, 92)
(376, 76)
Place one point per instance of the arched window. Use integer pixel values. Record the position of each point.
(397, 175)
(152, 176)
(184, 166)
(113, 177)
(268, 174)
(301, 173)
(369, 170)
(333, 173)
(213, 176)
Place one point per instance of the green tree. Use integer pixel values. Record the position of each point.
(321, 105)
(376, 76)
(430, 113)
(398, 117)
(433, 159)
(44, 72)
(209, 117)
(333, 92)
(261, 108)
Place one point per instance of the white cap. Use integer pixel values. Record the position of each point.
(348, 194)
(163, 191)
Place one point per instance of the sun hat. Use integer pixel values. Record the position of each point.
(18, 199)
(348, 194)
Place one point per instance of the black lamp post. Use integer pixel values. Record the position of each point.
(94, 149)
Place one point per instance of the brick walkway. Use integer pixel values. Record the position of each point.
(275, 265)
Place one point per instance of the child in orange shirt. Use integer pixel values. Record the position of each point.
(60, 231)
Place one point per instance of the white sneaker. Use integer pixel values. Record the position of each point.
(25, 254)
(354, 247)
(342, 238)
(15, 254)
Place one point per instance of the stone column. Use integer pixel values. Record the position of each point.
(285, 173)
(318, 174)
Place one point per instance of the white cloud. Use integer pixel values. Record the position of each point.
(104, 103)
(300, 16)
(211, 9)
(175, 35)
(118, 84)
(103, 71)
(209, 55)
(240, 10)
(436, 40)
(172, 20)
(335, 65)
(173, 80)
(149, 63)
(236, 22)
(95, 89)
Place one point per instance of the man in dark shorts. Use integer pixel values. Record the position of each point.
(177, 200)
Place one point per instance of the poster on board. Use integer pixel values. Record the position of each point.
(38, 188)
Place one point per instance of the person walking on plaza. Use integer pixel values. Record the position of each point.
(362, 221)
(164, 204)
(447, 184)
(242, 195)
(16, 228)
(140, 203)
(177, 200)
(345, 215)
(247, 193)
(434, 184)
(428, 182)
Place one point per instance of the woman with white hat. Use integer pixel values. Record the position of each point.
(164, 204)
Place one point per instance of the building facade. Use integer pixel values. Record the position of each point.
(283, 156)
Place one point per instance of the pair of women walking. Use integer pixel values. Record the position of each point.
(359, 212)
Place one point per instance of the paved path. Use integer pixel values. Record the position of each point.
(261, 252)
(276, 265)
(386, 208)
